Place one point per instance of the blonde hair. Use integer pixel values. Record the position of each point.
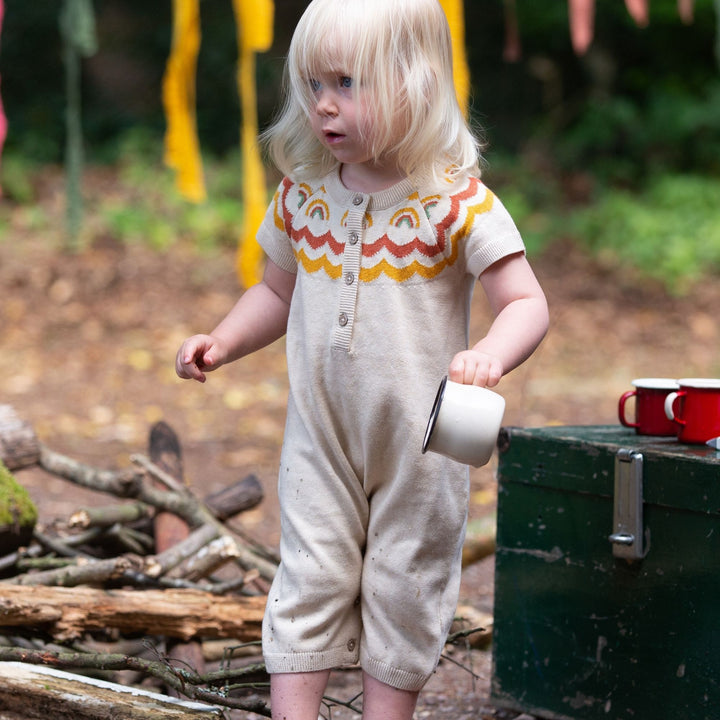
(399, 55)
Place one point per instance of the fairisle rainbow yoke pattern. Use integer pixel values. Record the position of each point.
(395, 246)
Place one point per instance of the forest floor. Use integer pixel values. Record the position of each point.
(88, 342)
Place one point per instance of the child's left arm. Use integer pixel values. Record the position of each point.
(521, 321)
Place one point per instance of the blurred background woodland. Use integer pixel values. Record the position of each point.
(620, 141)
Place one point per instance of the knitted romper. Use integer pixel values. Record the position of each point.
(372, 528)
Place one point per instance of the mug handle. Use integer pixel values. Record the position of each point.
(669, 402)
(621, 409)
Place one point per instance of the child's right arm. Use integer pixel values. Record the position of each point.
(258, 318)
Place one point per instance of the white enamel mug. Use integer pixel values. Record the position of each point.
(464, 423)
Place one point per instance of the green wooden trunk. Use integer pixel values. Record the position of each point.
(579, 631)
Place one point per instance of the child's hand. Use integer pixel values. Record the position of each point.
(472, 367)
(197, 355)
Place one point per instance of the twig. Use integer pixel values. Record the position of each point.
(118, 483)
(157, 565)
(82, 572)
(330, 702)
(132, 540)
(158, 473)
(131, 485)
(110, 515)
(58, 546)
(463, 634)
(207, 560)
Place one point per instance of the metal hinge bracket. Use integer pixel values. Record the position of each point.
(627, 534)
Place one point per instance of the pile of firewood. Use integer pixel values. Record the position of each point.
(150, 587)
(146, 591)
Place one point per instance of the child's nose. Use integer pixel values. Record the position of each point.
(326, 104)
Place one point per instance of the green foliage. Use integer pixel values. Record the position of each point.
(17, 174)
(624, 141)
(149, 209)
(16, 506)
(666, 228)
(670, 231)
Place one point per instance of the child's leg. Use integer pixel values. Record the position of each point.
(383, 702)
(297, 696)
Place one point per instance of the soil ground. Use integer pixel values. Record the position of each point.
(88, 342)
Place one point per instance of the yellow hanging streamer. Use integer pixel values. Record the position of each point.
(182, 151)
(456, 20)
(255, 32)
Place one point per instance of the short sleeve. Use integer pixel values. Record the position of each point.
(492, 236)
(274, 232)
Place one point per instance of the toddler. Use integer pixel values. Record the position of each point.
(374, 241)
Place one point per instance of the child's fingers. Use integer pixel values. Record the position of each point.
(190, 360)
(472, 368)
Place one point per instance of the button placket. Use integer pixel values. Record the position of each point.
(352, 259)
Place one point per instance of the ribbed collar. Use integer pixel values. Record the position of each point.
(380, 200)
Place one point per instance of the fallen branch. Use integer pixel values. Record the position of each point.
(185, 681)
(82, 572)
(66, 613)
(207, 560)
(109, 515)
(158, 473)
(157, 565)
(130, 484)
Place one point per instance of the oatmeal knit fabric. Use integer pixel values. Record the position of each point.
(372, 528)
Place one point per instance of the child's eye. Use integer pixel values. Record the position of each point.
(314, 84)
(345, 81)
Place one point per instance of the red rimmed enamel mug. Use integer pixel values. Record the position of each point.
(695, 409)
(650, 417)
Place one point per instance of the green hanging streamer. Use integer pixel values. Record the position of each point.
(77, 27)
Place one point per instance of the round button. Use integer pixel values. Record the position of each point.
(349, 278)
(351, 645)
(343, 319)
(358, 200)
(353, 238)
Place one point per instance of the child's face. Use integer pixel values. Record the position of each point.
(339, 118)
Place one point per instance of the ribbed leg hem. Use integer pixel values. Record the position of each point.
(309, 661)
(393, 676)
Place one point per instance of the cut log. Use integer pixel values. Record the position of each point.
(243, 495)
(172, 531)
(19, 446)
(41, 692)
(69, 612)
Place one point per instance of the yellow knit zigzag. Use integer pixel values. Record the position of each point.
(402, 273)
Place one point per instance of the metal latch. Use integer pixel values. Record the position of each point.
(627, 535)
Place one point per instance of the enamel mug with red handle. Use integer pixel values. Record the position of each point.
(650, 418)
(695, 409)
